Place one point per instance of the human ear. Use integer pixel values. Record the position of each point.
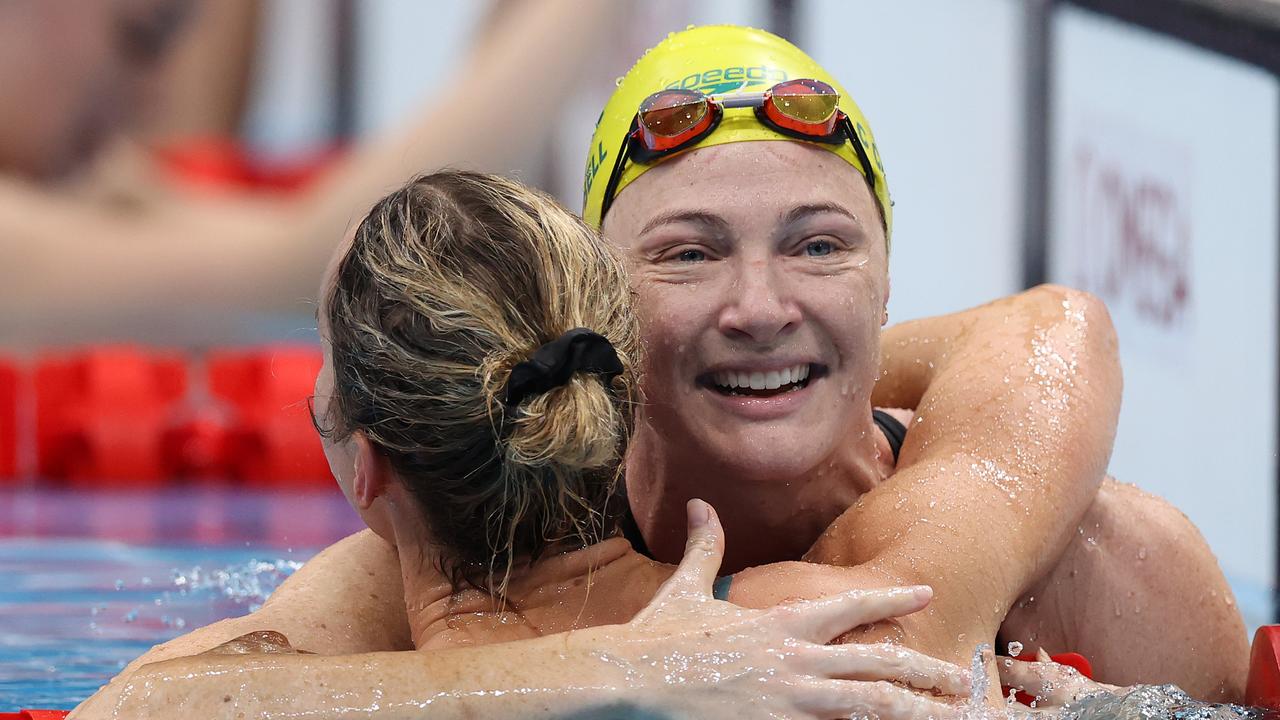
(372, 473)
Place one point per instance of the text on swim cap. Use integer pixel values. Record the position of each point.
(729, 79)
(594, 161)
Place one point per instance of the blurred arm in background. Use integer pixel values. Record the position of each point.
(79, 261)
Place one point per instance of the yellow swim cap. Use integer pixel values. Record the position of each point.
(717, 59)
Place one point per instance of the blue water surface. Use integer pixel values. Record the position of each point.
(91, 580)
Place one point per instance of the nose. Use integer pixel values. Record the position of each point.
(759, 306)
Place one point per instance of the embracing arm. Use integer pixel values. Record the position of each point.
(686, 655)
(1016, 408)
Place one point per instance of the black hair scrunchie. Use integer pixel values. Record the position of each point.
(579, 350)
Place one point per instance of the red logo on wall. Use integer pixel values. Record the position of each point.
(1132, 238)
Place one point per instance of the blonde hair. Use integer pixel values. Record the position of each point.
(450, 282)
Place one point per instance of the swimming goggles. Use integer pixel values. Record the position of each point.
(674, 119)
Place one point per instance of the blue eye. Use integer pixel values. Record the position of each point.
(691, 255)
(818, 248)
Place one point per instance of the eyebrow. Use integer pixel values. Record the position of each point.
(707, 220)
(802, 212)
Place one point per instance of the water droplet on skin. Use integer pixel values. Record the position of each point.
(1142, 553)
(1015, 649)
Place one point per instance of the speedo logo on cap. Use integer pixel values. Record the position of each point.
(730, 79)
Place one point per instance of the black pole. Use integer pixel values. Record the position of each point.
(1037, 58)
(344, 68)
(782, 19)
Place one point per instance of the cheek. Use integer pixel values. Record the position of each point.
(669, 324)
(850, 313)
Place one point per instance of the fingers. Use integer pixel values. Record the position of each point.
(703, 551)
(891, 662)
(882, 700)
(1051, 683)
(822, 620)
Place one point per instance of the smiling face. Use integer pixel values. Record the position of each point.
(761, 275)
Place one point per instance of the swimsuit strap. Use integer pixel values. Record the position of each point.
(894, 431)
(631, 531)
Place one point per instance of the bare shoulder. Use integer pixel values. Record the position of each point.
(347, 599)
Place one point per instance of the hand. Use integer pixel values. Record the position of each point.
(694, 656)
(1052, 684)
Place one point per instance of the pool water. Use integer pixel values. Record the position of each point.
(91, 580)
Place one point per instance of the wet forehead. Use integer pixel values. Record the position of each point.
(753, 181)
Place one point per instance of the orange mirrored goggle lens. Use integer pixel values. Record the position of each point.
(804, 105)
(669, 116)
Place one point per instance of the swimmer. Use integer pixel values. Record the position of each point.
(749, 250)
(478, 425)
(997, 497)
(93, 263)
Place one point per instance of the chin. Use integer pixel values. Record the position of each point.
(770, 459)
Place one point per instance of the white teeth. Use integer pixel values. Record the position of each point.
(771, 380)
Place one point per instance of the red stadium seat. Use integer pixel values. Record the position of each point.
(270, 439)
(102, 414)
(8, 421)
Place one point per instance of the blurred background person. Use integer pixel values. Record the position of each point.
(122, 250)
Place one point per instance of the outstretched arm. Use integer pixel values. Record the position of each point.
(163, 262)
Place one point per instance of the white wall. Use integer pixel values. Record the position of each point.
(1164, 202)
(405, 48)
(291, 101)
(941, 83)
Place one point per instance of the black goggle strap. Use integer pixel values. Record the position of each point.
(615, 175)
(633, 149)
(868, 170)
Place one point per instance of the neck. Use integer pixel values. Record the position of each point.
(766, 519)
(551, 595)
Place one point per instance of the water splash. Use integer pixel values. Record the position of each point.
(249, 583)
(195, 595)
(1153, 702)
(1142, 702)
